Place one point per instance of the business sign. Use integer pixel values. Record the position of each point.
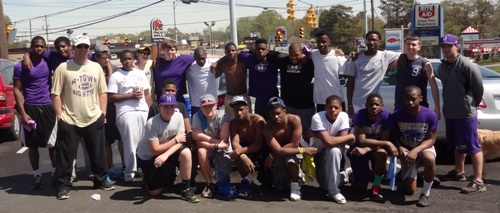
(157, 33)
(429, 40)
(359, 42)
(393, 39)
(427, 15)
(282, 31)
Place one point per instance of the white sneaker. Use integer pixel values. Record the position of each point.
(339, 198)
(295, 191)
(345, 175)
(128, 178)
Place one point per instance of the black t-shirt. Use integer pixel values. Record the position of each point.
(413, 74)
(296, 86)
(180, 107)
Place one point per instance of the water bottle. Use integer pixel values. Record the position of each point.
(187, 100)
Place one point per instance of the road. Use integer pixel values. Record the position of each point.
(16, 196)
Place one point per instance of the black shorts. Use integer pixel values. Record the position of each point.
(111, 130)
(162, 176)
(45, 119)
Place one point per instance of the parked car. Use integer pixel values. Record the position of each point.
(488, 110)
(9, 118)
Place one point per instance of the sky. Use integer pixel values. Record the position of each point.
(189, 18)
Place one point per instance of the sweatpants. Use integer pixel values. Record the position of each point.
(328, 172)
(68, 139)
(131, 127)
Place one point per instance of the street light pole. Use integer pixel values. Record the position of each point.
(210, 25)
(175, 23)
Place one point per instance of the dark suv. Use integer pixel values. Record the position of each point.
(9, 119)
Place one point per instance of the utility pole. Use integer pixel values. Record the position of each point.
(365, 16)
(4, 53)
(46, 29)
(232, 17)
(30, 30)
(373, 16)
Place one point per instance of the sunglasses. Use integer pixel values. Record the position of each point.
(207, 101)
(144, 53)
(82, 46)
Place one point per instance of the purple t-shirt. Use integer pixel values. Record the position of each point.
(35, 83)
(174, 70)
(412, 129)
(263, 77)
(372, 129)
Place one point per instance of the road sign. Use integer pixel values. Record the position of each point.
(157, 33)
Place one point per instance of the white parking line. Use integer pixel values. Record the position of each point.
(22, 150)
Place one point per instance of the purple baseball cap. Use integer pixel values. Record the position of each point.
(167, 99)
(448, 39)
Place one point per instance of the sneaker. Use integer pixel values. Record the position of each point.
(244, 189)
(37, 182)
(454, 176)
(295, 191)
(423, 201)
(375, 197)
(104, 185)
(63, 194)
(474, 187)
(339, 198)
(188, 194)
(128, 178)
(208, 191)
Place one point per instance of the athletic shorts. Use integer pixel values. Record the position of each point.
(410, 170)
(45, 119)
(111, 130)
(162, 176)
(461, 135)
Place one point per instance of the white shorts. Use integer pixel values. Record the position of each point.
(410, 170)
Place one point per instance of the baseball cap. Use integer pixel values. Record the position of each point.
(81, 39)
(207, 99)
(144, 47)
(167, 99)
(448, 39)
(275, 101)
(238, 99)
(100, 49)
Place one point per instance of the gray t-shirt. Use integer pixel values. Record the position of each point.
(161, 130)
(213, 127)
(369, 72)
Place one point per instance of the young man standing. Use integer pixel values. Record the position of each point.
(462, 94)
(32, 94)
(415, 127)
(372, 126)
(211, 134)
(129, 89)
(367, 72)
(417, 71)
(331, 133)
(248, 145)
(200, 79)
(80, 86)
(162, 149)
(283, 134)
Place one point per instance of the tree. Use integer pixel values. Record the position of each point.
(396, 12)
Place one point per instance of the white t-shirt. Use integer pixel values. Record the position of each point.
(369, 72)
(123, 82)
(320, 123)
(158, 129)
(201, 81)
(326, 75)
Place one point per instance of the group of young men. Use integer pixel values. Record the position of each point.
(158, 137)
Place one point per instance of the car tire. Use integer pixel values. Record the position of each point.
(14, 131)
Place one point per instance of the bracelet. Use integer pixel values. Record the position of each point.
(243, 156)
(271, 156)
(215, 147)
(301, 150)
(176, 141)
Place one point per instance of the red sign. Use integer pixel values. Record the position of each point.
(426, 12)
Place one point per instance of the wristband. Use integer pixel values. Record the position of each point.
(215, 147)
(243, 156)
(271, 156)
(301, 150)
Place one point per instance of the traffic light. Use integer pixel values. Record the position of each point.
(311, 18)
(126, 41)
(278, 37)
(8, 28)
(106, 41)
(301, 32)
(291, 10)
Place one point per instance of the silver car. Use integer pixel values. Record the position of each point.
(488, 110)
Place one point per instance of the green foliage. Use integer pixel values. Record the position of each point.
(396, 12)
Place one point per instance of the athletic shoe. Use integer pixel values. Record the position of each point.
(423, 201)
(63, 194)
(244, 189)
(377, 198)
(454, 176)
(188, 194)
(37, 182)
(339, 198)
(474, 187)
(208, 191)
(295, 191)
(104, 185)
(128, 178)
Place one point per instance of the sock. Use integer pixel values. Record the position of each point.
(377, 180)
(187, 184)
(37, 172)
(247, 178)
(426, 189)
(375, 190)
(53, 171)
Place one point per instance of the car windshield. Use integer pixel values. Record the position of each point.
(7, 69)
